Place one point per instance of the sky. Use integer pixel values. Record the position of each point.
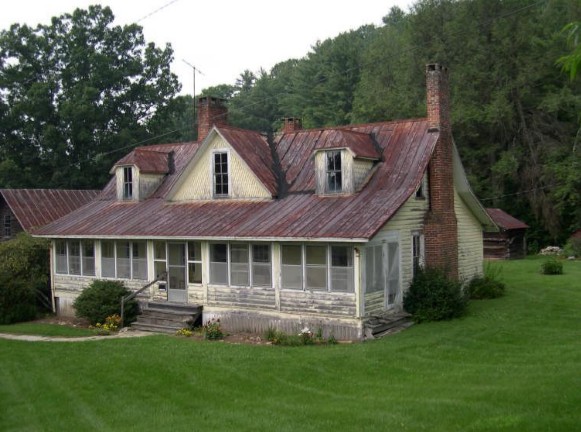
(221, 38)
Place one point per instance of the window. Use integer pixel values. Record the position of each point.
(317, 267)
(195, 262)
(341, 268)
(374, 269)
(61, 257)
(127, 183)
(417, 251)
(240, 264)
(292, 266)
(75, 257)
(160, 260)
(7, 231)
(221, 174)
(333, 171)
(124, 259)
(219, 263)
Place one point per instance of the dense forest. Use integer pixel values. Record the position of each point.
(65, 113)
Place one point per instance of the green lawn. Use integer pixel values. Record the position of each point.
(46, 330)
(513, 364)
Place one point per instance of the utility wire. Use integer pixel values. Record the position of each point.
(156, 11)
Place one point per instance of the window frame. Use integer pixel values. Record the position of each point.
(418, 251)
(127, 188)
(67, 257)
(131, 258)
(304, 267)
(7, 226)
(334, 173)
(227, 184)
(194, 261)
(250, 261)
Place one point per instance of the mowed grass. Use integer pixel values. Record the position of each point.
(45, 329)
(512, 364)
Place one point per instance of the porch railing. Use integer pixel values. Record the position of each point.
(134, 294)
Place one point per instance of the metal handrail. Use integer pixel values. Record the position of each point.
(125, 299)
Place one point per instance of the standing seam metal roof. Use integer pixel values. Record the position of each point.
(406, 148)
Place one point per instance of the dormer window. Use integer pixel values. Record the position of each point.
(127, 183)
(220, 174)
(333, 171)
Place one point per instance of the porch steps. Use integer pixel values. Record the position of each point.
(166, 317)
(383, 325)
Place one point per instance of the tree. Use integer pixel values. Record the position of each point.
(571, 63)
(73, 93)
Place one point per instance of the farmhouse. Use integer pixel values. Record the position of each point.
(321, 228)
(25, 209)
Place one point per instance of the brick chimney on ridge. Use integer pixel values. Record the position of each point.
(440, 224)
(211, 111)
(291, 124)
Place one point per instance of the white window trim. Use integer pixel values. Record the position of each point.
(131, 258)
(189, 261)
(328, 288)
(81, 258)
(250, 262)
(228, 173)
(422, 256)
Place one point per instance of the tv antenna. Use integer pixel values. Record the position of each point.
(194, 71)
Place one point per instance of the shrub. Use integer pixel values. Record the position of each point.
(488, 286)
(551, 250)
(433, 296)
(213, 330)
(573, 248)
(305, 337)
(552, 266)
(185, 332)
(24, 278)
(102, 299)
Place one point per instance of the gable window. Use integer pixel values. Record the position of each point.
(317, 268)
(220, 173)
(333, 171)
(127, 183)
(75, 257)
(124, 260)
(417, 251)
(240, 264)
(7, 229)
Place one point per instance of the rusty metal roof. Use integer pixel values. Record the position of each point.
(38, 207)
(405, 150)
(504, 220)
(255, 151)
(148, 161)
(361, 144)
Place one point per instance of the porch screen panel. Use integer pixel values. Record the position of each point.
(392, 272)
(341, 269)
(75, 258)
(195, 262)
(123, 260)
(261, 266)
(316, 261)
(292, 267)
(219, 263)
(108, 259)
(61, 257)
(374, 269)
(88, 258)
(139, 260)
(239, 265)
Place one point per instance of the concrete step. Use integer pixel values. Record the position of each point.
(172, 307)
(167, 317)
(155, 328)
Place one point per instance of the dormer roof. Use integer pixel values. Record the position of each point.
(253, 148)
(146, 160)
(360, 144)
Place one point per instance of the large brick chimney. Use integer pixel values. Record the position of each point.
(440, 225)
(211, 111)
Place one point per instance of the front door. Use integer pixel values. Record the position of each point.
(176, 281)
